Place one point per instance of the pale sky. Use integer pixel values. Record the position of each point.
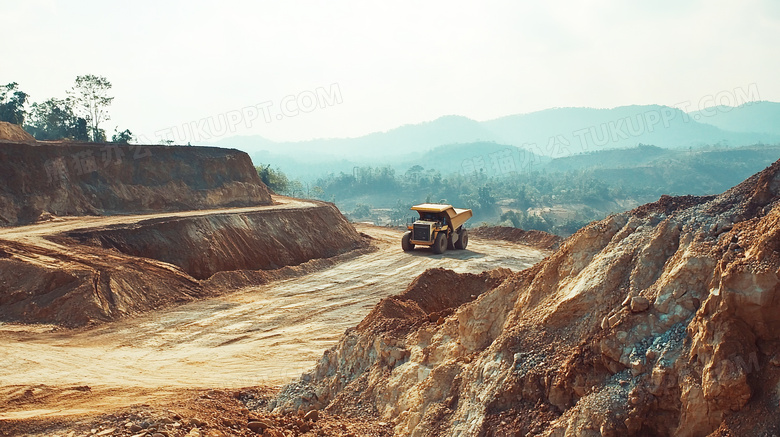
(391, 63)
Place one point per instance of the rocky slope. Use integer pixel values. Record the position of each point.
(664, 320)
(73, 179)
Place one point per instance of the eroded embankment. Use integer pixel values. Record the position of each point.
(75, 179)
(103, 274)
(205, 245)
(659, 321)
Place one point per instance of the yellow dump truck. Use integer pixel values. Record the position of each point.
(439, 226)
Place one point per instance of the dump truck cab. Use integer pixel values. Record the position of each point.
(438, 226)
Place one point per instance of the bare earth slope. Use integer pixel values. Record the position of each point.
(664, 320)
(83, 270)
(196, 240)
(73, 179)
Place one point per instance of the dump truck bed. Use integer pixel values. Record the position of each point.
(457, 216)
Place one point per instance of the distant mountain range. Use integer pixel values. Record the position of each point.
(550, 133)
(763, 117)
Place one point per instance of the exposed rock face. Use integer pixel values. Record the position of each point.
(660, 321)
(100, 275)
(72, 179)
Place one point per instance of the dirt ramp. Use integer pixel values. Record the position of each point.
(205, 245)
(14, 133)
(659, 321)
(94, 276)
(74, 179)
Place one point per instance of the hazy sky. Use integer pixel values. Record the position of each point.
(378, 65)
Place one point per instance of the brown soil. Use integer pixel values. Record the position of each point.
(430, 297)
(45, 180)
(265, 239)
(14, 133)
(204, 412)
(533, 238)
(64, 274)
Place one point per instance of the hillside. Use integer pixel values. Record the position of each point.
(641, 155)
(488, 157)
(650, 170)
(657, 321)
(96, 232)
(749, 117)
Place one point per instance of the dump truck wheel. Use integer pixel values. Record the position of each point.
(463, 241)
(440, 244)
(450, 244)
(406, 242)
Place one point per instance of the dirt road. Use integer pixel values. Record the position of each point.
(257, 336)
(34, 234)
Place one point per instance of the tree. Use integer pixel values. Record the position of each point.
(296, 186)
(361, 210)
(399, 212)
(535, 222)
(54, 120)
(316, 192)
(514, 217)
(12, 102)
(413, 174)
(123, 137)
(91, 100)
(274, 179)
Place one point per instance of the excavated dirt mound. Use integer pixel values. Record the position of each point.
(661, 321)
(103, 274)
(430, 297)
(73, 179)
(533, 238)
(14, 133)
